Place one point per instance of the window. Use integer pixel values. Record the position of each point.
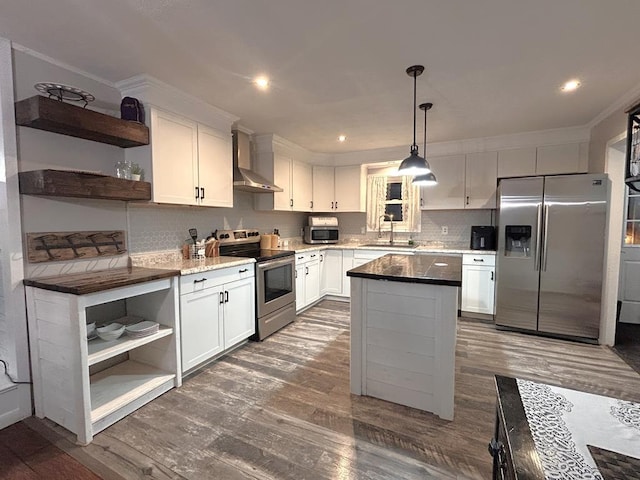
(392, 199)
(632, 235)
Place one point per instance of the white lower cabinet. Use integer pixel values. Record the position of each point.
(86, 386)
(307, 278)
(478, 284)
(217, 311)
(331, 272)
(202, 329)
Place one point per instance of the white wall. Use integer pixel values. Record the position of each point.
(15, 400)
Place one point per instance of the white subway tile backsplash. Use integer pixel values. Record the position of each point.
(458, 223)
(165, 227)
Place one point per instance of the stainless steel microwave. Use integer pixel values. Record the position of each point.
(321, 234)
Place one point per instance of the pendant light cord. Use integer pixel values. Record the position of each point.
(414, 146)
(424, 148)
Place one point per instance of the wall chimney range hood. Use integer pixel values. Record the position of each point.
(244, 178)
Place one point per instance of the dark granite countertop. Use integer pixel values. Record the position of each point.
(91, 282)
(430, 269)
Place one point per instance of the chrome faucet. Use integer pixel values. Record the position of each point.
(382, 217)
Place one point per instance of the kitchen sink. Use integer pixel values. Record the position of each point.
(390, 245)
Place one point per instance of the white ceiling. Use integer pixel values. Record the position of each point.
(338, 66)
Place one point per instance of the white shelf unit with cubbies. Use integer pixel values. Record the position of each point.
(86, 386)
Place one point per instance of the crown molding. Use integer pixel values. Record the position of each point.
(473, 145)
(58, 63)
(623, 103)
(162, 95)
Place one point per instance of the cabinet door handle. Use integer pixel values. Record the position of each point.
(291, 202)
(467, 199)
(306, 270)
(197, 193)
(311, 204)
(332, 205)
(226, 296)
(422, 202)
(244, 270)
(321, 258)
(200, 281)
(221, 298)
(296, 273)
(201, 193)
(492, 275)
(336, 204)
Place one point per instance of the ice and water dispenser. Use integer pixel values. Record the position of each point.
(517, 241)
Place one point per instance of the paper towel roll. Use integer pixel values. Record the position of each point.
(265, 241)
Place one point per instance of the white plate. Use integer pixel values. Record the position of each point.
(144, 328)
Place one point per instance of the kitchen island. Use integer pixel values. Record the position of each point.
(403, 330)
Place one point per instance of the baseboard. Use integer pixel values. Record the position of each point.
(478, 316)
(15, 403)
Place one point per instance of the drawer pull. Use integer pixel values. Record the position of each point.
(478, 260)
(300, 258)
(313, 255)
(243, 270)
(200, 281)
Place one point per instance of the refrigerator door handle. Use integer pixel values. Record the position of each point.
(538, 251)
(543, 266)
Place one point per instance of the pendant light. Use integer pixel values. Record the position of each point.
(429, 178)
(414, 164)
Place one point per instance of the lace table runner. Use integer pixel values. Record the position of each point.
(563, 422)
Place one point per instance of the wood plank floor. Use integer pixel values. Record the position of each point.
(27, 455)
(281, 409)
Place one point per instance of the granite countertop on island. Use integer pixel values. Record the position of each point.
(426, 268)
(99, 280)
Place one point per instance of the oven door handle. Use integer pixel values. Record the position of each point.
(275, 263)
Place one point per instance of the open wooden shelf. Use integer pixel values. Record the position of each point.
(114, 388)
(100, 350)
(61, 183)
(55, 116)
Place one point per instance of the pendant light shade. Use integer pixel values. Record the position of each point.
(414, 164)
(428, 178)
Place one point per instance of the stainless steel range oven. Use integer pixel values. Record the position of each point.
(275, 279)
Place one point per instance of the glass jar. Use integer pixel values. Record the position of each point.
(123, 170)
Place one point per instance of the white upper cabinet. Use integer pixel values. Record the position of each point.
(174, 158)
(350, 189)
(301, 186)
(339, 189)
(215, 167)
(547, 160)
(448, 194)
(190, 158)
(555, 159)
(282, 178)
(518, 162)
(323, 189)
(464, 182)
(481, 179)
(276, 160)
(187, 163)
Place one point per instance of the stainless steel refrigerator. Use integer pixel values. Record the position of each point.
(549, 267)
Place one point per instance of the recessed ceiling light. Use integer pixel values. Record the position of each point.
(570, 86)
(261, 82)
(342, 138)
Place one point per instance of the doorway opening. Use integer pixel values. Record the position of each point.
(625, 221)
